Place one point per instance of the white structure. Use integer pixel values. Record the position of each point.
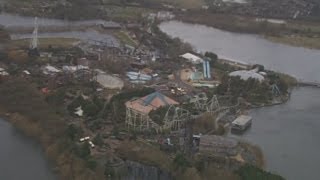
(245, 75)
(241, 123)
(3, 72)
(74, 68)
(26, 72)
(34, 41)
(50, 70)
(108, 81)
(138, 77)
(192, 58)
(79, 111)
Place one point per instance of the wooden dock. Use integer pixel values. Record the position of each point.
(311, 84)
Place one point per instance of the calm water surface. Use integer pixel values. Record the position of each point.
(20, 157)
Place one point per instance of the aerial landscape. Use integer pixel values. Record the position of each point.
(159, 89)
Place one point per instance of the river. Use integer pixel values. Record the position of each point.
(20, 157)
(286, 133)
(300, 62)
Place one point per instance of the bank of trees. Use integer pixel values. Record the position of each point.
(252, 90)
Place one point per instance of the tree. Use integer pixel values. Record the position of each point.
(83, 151)
(98, 140)
(211, 55)
(259, 66)
(181, 162)
(90, 109)
(73, 132)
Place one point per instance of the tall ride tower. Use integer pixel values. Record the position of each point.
(33, 48)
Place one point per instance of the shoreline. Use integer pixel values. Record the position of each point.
(12, 118)
(278, 33)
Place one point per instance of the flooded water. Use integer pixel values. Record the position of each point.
(89, 36)
(288, 134)
(10, 20)
(20, 157)
(300, 62)
(15, 22)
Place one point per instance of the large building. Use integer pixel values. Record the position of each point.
(137, 110)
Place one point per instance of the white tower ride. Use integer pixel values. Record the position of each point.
(34, 41)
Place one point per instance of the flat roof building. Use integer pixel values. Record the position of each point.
(241, 123)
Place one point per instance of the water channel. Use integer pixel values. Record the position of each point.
(20, 157)
(286, 133)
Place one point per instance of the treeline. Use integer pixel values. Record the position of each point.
(252, 90)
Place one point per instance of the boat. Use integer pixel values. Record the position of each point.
(241, 123)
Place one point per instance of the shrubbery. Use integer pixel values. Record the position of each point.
(249, 172)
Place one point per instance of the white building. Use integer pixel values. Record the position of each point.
(192, 58)
(245, 75)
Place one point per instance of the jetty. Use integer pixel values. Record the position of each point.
(306, 83)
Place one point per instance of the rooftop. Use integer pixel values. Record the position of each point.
(242, 120)
(245, 75)
(150, 102)
(191, 57)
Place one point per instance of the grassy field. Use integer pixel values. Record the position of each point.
(125, 38)
(45, 43)
(188, 4)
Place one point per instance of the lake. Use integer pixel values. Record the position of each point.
(20, 157)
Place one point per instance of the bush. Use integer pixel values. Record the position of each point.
(249, 172)
(90, 109)
(83, 150)
(74, 132)
(56, 98)
(79, 101)
(98, 140)
(181, 162)
(212, 56)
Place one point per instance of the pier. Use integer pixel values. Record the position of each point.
(312, 84)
